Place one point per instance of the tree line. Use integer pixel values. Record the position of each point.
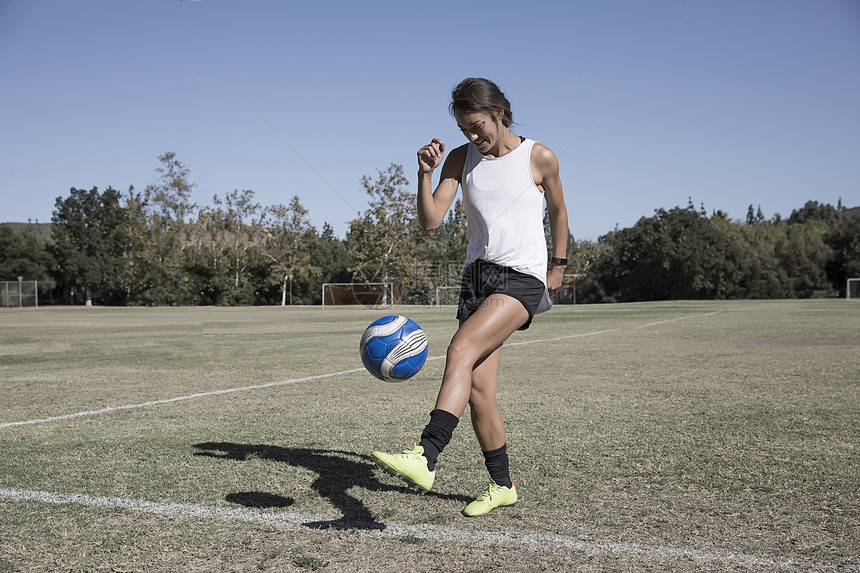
(683, 253)
(157, 247)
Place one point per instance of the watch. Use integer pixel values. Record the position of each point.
(558, 261)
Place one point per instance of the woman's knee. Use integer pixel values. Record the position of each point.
(461, 351)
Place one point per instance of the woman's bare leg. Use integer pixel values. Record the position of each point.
(486, 418)
(473, 346)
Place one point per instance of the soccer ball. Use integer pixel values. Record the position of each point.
(393, 348)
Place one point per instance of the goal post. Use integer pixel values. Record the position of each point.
(372, 295)
(852, 289)
(19, 294)
(447, 295)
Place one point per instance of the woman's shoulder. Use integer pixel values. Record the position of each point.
(543, 157)
(457, 159)
(461, 151)
(541, 151)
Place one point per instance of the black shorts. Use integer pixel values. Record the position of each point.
(482, 278)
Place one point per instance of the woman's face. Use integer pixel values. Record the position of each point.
(480, 128)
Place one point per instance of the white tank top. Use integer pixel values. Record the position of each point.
(504, 212)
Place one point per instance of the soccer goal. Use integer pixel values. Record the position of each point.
(18, 294)
(371, 295)
(447, 295)
(852, 289)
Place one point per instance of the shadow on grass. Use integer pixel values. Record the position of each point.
(259, 499)
(336, 470)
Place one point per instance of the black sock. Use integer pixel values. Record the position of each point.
(437, 434)
(497, 465)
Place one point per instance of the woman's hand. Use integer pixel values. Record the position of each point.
(554, 276)
(430, 156)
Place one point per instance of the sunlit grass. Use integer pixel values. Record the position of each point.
(732, 433)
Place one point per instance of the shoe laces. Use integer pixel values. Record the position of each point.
(491, 491)
(408, 453)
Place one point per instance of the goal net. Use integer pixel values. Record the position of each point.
(852, 289)
(371, 295)
(447, 295)
(18, 294)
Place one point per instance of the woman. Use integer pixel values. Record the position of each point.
(506, 281)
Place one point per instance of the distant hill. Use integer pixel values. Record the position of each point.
(43, 228)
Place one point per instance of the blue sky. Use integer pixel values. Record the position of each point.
(647, 103)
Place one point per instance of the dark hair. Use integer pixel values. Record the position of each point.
(480, 95)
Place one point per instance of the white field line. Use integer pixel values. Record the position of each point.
(430, 532)
(110, 409)
(583, 335)
(178, 399)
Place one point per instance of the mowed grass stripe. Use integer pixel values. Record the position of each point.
(422, 531)
(149, 403)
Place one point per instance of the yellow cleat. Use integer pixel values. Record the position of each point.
(410, 466)
(494, 496)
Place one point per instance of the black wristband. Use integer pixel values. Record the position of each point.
(558, 261)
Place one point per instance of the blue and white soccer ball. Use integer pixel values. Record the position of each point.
(393, 348)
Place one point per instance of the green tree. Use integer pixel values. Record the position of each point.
(676, 254)
(802, 254)
(758, 261)
(290, 247)
(240, 219)
(456, 233)
(844, 242)
(333, 260)
(139, 238)
(384, 242)
(815, 211)
(755, 217)
(682, 253)
(170, 198)
(230, 237)
(90, 236)
(167, 210)
(25, 254)
(441, 253)
(583, 257)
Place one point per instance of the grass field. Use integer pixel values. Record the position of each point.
(688, 436)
